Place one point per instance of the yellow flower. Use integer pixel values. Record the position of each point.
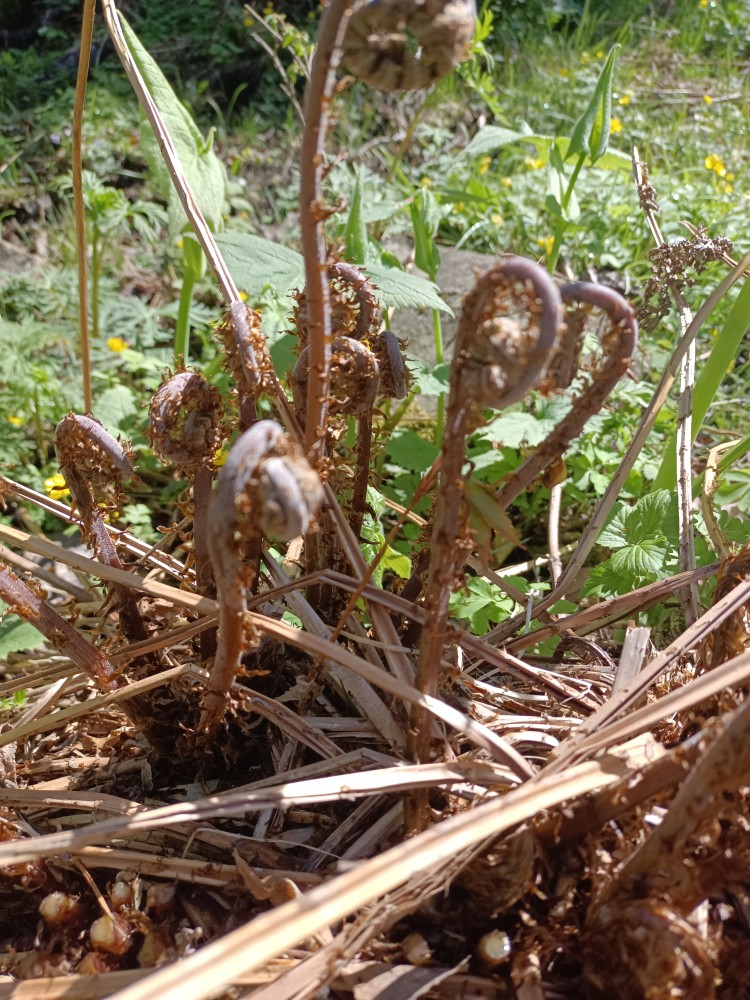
(565, 73)
(484, 164)
(243, 296)
(220, 457)
(714, 162)
(546, 242)
(707, 99)
(116, 344)
(55, 487)
(14, 419)
(615, 125)
(496, 219)
(426, 182)
(626, 98)
(507, 182)
(533, 164)
(726, 187)
(600, 54)
(585, 57)
(704, 3)
(248, 21)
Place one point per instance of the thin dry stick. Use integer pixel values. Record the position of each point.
(87, 30)
(604, 507)
(318, 98)
(689, 598)
(553, 532)
(710, 482)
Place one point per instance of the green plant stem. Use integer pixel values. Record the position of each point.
(438, 332)
(182, 330)
(96, 274)
(562, 223)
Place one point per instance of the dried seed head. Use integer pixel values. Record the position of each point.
(82, 443)
(355, 378)
(407, 44)
(185, 416)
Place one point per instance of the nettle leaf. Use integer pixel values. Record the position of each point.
(204, 170)
(257, 264)
(399, 290)
(518, 428)
(642, 560)
(17, 634)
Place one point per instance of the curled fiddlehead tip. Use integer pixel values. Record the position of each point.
(185, 419)
(266, 487)
(82, 443)
(508, 325)
(407, 44)
(355, 378)
(354, 309)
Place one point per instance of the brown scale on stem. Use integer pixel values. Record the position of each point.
(90, 457)
(266, 487)
(509, 323)
(185, 429)
(407, 44)
(618, 343)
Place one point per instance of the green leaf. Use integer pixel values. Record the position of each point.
(614, 534)
(425, 218)
(646, 518)
(115, 407)
(400, 290)
(355, 232)
(431, 381)
(396, 562)
(491, 138)
(406, 450)
(204, 170)
(590, 135)
(17, 634)
(644, 559)
(256, 263)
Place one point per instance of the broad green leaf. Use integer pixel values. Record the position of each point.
(406, 450)
(405, 291)
(257, 264)
(396, 562)
(355, 232)
(430, 381)
(425, 218)
(491, 138)
(590, 135)
(17, 634)
(643, 559)
(518, 428)
(646, 518)
(115, 407)
(614, 534)
(712, 373)
(204, 170)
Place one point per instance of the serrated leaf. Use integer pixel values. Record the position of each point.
(644, 559)
(400, 290)
(518, 428)
(204, 170)
(256, 263)
(646, 518)
(115, 407)
(17, 634)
